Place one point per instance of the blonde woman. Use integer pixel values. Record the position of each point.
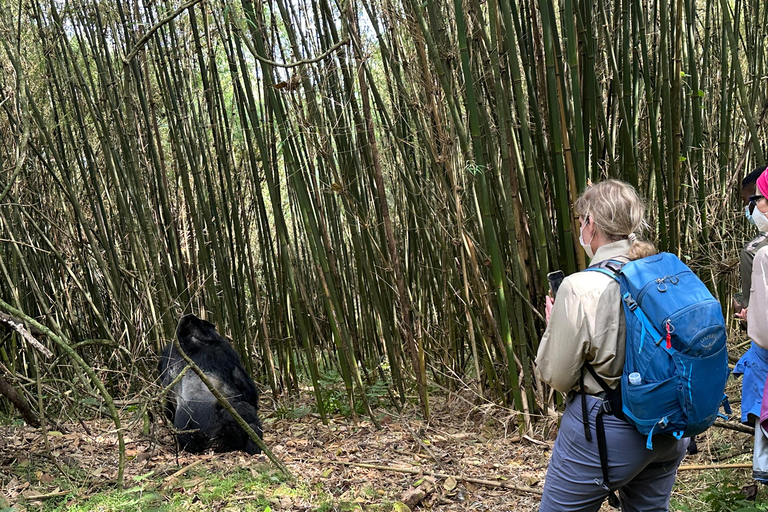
(587, 326)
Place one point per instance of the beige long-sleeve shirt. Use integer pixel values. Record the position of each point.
(586, 325)
(757, 314)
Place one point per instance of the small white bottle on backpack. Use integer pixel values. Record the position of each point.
(634, 379)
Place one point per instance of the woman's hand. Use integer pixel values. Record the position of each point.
(742, 315)
(548, 303)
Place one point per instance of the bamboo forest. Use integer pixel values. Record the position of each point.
(366, 198)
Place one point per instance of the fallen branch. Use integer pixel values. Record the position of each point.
(184, 470)
(18, 401)
(479, 481)
(738, 427)
(32, 497)
(549, 444)
(699, 467)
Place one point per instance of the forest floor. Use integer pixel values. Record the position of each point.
(465, 457)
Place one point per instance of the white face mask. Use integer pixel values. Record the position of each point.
(761, 221)
(748, 215)
(588, 246)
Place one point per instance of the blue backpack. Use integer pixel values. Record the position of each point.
(676, 359)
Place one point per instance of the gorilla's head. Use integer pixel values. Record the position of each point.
(194, 332)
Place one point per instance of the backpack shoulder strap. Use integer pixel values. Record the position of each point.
(604, 385)
(611, 268)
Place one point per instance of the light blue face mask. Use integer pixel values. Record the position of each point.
(748, 214)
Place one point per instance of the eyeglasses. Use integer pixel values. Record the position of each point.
(756, 199)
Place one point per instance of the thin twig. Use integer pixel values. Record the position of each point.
(265, 60)
(127, 59)
(184, 470)
(699, 467)
(45, 496)
(423, 445)
(479, 481)
(548, 444)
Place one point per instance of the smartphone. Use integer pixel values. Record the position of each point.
(737, 306)
(555, 278)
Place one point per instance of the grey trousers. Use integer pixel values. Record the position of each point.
(643, 477)
(760, 453)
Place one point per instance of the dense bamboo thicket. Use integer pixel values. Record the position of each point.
(374, 189)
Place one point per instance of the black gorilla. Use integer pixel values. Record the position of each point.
(202, 422)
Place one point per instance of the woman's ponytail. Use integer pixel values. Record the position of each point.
(640, 249)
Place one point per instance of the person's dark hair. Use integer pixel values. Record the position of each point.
(751, 178)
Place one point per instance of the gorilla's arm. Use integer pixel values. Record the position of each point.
(168, 367)
(245, 386)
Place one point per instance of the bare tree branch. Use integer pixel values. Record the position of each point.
(290, 64)
(18, 326)
(127, 59)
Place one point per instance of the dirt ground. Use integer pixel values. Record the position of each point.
(464, 458)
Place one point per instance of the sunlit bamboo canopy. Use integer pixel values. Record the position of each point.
(374, 189)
